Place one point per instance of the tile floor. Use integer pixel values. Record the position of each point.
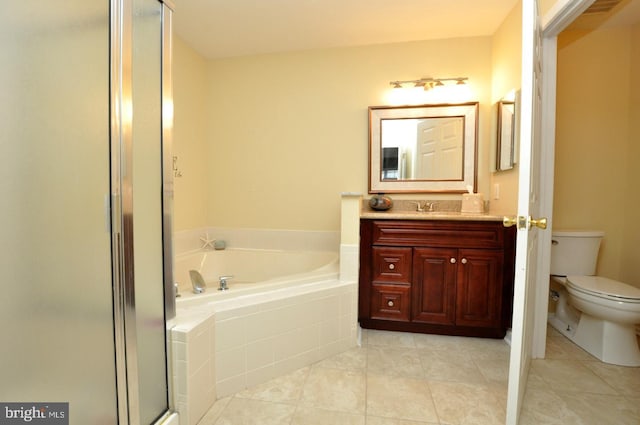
(413, 379)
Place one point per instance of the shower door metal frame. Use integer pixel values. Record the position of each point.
(121, 148)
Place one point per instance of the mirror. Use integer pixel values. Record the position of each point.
(506, 134)
(424, 148)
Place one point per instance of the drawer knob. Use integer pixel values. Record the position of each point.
(390, 303)
(464, 261)
(452, 260)
(392, 266)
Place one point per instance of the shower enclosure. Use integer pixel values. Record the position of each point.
(85, 184)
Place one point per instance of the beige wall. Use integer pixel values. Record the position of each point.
(288, 132)
(190, 82)
(594, 148)
(630, 256)
(507, 70)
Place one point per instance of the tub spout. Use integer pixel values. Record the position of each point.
(223, 283)
(197, 281)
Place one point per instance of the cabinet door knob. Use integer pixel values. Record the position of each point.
(392, 267)
(464, 261)
(390, 303)
(452, 260)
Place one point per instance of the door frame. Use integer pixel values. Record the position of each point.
(563, 13)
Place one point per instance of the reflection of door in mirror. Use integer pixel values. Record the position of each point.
(422, 148)
(439, 149)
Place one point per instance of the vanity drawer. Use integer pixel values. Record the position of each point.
(390, 302)
(438, 233)
(392, 264)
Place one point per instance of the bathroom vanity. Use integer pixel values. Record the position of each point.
(445, 273)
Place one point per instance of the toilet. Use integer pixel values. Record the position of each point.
(598, 314)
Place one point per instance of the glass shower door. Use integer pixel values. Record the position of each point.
(82, 245)
(55, 246)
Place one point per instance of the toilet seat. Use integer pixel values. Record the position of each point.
(605, 288)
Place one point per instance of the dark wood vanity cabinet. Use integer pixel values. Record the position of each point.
(436, 276)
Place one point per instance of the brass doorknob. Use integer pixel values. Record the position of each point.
(540, 223)
(509, 221)
(524, 222)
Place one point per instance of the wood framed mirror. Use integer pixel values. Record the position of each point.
(423, 148)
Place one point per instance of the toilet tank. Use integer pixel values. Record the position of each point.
(575, 252)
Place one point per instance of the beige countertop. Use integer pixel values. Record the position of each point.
(428, 215)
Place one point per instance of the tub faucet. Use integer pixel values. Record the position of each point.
(197, 281)
(223, 283)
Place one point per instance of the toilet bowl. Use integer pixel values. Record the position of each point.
(609, 312)
(598, 314)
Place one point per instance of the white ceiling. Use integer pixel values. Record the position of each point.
(224, 28)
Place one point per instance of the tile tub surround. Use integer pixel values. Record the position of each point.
(353, 378)
(223, 347)
(193, 365)
(226, 345)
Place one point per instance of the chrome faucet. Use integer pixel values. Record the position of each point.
(427, 206)
(197, 281)
(223, 283)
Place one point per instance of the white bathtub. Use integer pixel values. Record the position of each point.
(253, 270)
(285, 309)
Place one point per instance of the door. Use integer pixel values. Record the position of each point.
(528, 206)
(434, 285)
(56, 303)
(86, 328)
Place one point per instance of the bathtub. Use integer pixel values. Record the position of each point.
(252, 271)
(285, 309)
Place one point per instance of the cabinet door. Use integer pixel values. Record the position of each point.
(391, 265)
(479, 287)
(434, 288)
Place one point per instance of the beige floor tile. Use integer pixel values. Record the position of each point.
(468, 404)
(400, 398)
(544, 406)
(441, 342)
(598, 409)
(390, 339)
(451, 366)
(353, 359)
(335, 389)
(626, 380)
(570, 375)
(255, 412)
(374, 420)
(214, 413)
(562, 348)
(534, 380)
(494, 371)
(487, 345)
(394, 362)
(313, 416)
(285, 389)
(406, 379)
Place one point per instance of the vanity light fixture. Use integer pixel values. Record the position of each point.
(428, 83)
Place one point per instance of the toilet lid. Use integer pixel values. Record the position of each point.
(603, 286)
